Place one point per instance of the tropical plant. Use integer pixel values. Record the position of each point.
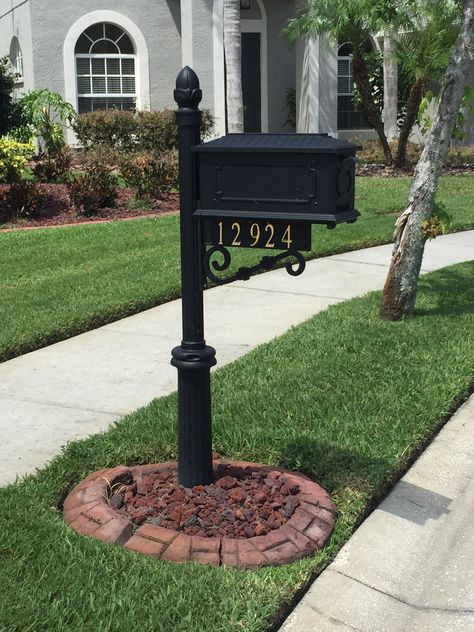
(356, 22)
(430, 102)
(9, 114)
(423, 50)
(44, 114)
(417, 223)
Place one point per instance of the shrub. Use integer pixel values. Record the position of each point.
(13, 159)
(94, 189)
(156, 131)
(109, 128)
(128, 131)
(372, 153)
(53, 168)
(100, 153)
(150, 174)
(21, 199)
(460, 156)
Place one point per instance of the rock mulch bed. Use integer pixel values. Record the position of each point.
(251, 516)
(55, 209)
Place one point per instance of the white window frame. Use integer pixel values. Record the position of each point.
(17, 60)
(107, 95)
(347, 58)
(142, 72)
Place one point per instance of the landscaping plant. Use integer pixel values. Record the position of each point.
(150, 174)
(132, 131)
(13, 159)
(44, 116)
(94, 189)
(53, 167)
(20, 199)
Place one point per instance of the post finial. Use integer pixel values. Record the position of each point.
(187, 93)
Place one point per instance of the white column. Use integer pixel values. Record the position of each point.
(307, 60)
(390, 88)
(219, 72)
(187, 33)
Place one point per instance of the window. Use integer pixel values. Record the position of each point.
(16, 59)
(105, 69)
(347, 115)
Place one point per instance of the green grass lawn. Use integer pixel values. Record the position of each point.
(59, 282)
(346, 398)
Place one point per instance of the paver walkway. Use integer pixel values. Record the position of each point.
(78, 387)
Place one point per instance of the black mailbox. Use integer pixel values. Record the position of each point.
(302, 178)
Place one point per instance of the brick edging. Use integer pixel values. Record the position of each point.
(87, 511)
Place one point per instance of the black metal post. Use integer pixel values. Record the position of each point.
(193, 358)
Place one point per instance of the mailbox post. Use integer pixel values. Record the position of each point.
(193, 358)
(261, 191)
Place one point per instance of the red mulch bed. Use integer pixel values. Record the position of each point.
(240, 503)
(382, 171)
(56, 209)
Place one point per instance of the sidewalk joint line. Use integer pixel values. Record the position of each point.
(257, 289)
(407, 603)
(58, 405)
(361, 263)
(332, 618)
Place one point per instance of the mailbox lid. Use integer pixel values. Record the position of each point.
(278, 143)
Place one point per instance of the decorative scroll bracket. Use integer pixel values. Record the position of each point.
(243, 274)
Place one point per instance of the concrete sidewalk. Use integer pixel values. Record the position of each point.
(78, 387)
(410, 566)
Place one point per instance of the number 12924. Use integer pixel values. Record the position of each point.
(257, 234)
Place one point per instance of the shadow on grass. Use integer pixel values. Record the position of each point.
(340, 470)
(335, 468)
(438, 288)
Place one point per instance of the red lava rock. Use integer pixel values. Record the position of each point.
(260, 498)
(241, 503)
(228, 482)
(178, 495)
(238, 495)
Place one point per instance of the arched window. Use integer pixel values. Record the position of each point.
(16, 59)
(347, 115)
(105, 69)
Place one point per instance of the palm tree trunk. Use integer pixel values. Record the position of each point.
(413, 105)
(372, 112)
(400, 288)
(232, 49)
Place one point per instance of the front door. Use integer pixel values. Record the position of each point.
(251, 82)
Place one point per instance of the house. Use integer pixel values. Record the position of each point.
(127, 53)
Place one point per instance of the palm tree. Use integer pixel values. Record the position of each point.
(232, 51)
(416, 223)
(423, 49)
(352, 21)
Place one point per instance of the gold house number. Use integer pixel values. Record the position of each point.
(258, 236)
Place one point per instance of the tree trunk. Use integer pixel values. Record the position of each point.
(399, 293)
(413, 105)
(232, 49)
(372, 112)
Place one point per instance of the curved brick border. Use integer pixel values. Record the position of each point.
(87, 511)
